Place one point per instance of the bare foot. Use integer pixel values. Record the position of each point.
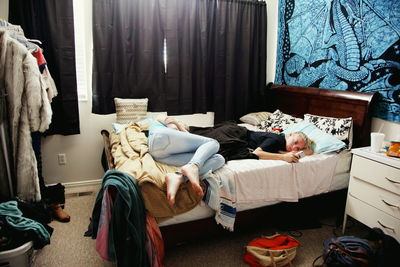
(191, 171)
(173, 181)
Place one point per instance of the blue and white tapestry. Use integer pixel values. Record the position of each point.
(351, 45)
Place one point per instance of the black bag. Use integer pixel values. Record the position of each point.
(346, 251)
(387, 248)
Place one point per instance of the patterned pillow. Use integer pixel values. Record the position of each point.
(341, 128)
(255, 118)
(278, 120)
(130, 110)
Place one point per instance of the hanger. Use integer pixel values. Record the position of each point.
(17, 33)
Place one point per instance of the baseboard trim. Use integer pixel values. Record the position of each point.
(82, 183)
(82, 188)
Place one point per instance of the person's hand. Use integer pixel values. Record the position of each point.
(182, 127)
(169, 120)
(291, 157)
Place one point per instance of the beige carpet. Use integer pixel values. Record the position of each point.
(70, 248)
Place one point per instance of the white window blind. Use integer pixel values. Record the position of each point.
(80, 50)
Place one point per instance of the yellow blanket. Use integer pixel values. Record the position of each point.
(130, 153)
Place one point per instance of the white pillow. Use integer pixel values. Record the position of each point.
(130, 109)
(278, 120)
(323, 142)
(255, 118)
(341, 128)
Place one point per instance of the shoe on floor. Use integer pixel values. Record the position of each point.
(59, 214)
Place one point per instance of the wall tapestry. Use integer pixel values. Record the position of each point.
(351, 45)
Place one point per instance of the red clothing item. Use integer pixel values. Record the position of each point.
(155, 242)
(40, 59)
(273, 243)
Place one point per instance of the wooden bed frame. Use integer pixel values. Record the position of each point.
(295, 101)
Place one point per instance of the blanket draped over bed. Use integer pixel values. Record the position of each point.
(221, 196)
(130, 152)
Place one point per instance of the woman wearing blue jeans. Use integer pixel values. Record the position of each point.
(171, 143)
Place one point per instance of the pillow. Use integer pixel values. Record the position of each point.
(255, 118)
(323, 142)
(130, 110)
(118, 127)
(279, 120)
(341, 128)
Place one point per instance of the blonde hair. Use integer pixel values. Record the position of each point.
(308, 143)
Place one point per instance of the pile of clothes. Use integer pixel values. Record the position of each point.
(21, 222)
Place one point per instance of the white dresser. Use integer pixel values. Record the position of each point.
(374, 191)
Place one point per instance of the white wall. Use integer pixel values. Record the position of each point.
(83, 151)
(4, 9)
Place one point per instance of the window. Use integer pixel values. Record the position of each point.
(165, 55)
(80, 50)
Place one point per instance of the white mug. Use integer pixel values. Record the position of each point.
(377, 141)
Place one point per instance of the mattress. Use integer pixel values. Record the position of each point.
(339, 180)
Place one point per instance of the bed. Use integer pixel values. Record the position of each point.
(295, 101)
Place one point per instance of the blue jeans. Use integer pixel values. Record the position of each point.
(178, 148)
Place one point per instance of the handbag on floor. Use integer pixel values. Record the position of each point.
(276, 251)
(346, 251)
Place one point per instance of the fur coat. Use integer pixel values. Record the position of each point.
(29, 110)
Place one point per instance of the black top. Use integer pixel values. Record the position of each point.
(268, 142)
(231, 137)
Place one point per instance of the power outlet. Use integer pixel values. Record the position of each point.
(62, 159)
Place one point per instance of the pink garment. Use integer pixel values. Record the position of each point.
(104, 225)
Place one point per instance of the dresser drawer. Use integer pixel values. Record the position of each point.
(377, 197)
(373, 217)
(376, 173)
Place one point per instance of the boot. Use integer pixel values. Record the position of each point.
(59, 214)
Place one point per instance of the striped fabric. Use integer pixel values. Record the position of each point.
(221, 196)
(130, 110)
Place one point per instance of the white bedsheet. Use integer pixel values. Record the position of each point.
(338, 181)
(276, 180)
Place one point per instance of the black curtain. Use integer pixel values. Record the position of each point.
(237, 61)
(216, 55)
(51, 22)
(127, 53)
(189, 30)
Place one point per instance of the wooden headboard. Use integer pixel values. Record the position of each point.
(297, 101)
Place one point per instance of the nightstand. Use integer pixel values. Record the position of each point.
(373, 196)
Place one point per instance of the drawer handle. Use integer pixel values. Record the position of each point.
(392, 181)
(386, 227)
(390, 205)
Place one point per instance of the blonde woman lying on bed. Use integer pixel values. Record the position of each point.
(170, 143)
(237, 142)
(279, 146)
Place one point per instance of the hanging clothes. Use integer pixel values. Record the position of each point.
(16, 32)
(29, 110)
